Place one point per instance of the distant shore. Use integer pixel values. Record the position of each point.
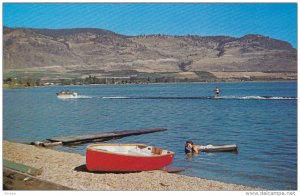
(68, 169)
(5, 86)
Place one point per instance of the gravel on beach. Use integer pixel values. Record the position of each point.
(68, 169)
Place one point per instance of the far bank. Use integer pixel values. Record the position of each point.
(27, 79)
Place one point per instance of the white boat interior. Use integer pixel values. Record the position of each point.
(132, 150)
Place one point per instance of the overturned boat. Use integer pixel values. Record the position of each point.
(126, 157)
(66, 94)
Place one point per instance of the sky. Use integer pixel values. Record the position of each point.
(278, 21)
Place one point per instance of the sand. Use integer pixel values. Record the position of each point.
(68, 169)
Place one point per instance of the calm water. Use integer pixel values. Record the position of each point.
(261, 118)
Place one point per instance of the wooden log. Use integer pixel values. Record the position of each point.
(45, 144)
(50, 144)
(102, 136)
(37, 143)
(14, 180)
(22, 168)
(172, 169)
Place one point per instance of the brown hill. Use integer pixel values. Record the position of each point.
(97, 49)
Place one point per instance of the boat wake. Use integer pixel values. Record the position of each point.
(257, 97)
(117, 97)
(84, 97)
(208, 97)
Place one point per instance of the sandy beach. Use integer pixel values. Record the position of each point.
(68, 169)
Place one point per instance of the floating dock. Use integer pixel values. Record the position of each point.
(224, 148)
(78, 139)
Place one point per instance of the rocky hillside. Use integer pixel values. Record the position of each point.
(97, 49)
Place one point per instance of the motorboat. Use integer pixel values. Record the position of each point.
(66, 94)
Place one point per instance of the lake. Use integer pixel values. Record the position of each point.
(260, 117)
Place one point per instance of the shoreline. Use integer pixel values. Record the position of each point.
(68, 169)
(230, 81)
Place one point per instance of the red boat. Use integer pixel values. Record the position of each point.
(126, 157)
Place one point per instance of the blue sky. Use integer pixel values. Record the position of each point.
(275, 20)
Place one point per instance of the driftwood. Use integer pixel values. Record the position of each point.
(49, 144)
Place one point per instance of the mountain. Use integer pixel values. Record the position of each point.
(72, 50)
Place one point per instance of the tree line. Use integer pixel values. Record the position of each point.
(22, 82)
(32, 82)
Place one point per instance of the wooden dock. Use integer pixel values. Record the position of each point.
(78, 139)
